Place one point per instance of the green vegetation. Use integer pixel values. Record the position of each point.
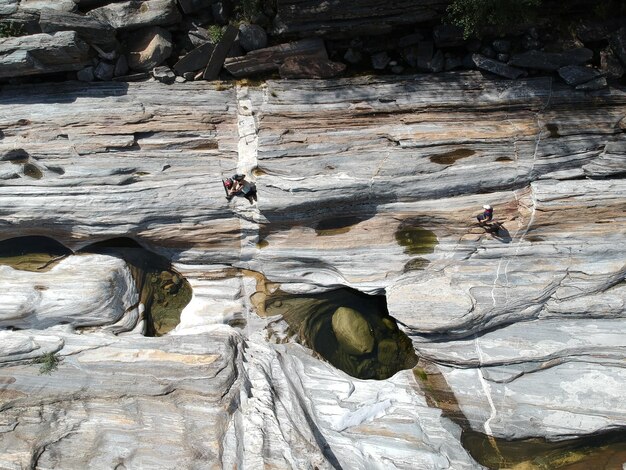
(216, 32)
(416, 240)
(169, 294)
(473, 16)
(48, 363)
(11, 29)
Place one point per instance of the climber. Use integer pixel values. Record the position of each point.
(237, 185)
(487, 214)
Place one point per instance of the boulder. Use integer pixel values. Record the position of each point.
(503, 46)
(489, 52)
(446, 35)
(137, 14)
(42, 53)
(496, 67)
(270, 58)
(438, 62)
(353, 56)
(194, 60)
(610, 65)
(66, 6)
(88, 28)
(594, 84)
(410, 40)
(85, 75)
(252, 37)
(104, 70)
(551, 61)
(8, 7)
(453, 62)
(148, 48)
(121, 66)
(380, 60)
(618, 44)
(164, 74)
(310, 67)
(198, 36)
(218, 56)
(577, 75)
(352, 331)
(425, 51)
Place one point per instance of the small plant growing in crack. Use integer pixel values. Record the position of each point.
(48, 363)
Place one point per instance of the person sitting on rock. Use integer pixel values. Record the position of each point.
(238, 186)
(487, 214)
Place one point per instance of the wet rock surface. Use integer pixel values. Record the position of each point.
(370, 182)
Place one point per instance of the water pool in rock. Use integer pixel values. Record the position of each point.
(606, 451)
(32, 253)
(351, 330)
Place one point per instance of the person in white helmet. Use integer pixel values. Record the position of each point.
(487, 214)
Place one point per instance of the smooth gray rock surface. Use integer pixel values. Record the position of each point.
(137, 14)
(42, 53)
(89, 29)
(576, 75)
(270, 58)
(195, 59)
(520, 320)
(499, 68)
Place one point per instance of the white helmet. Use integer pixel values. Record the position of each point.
(486, 206)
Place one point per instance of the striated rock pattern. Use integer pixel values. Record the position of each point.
(42, 53)
(342, 17)
(372, 183)
(98, 288)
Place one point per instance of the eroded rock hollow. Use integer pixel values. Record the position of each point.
(368, 183)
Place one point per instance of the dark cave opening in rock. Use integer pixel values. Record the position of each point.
(351, 330)
(163, 291)
(32, 253)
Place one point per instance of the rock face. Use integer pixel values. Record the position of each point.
(98, 290)
(270, 58)
(369, 182)
(148, 48)
(91, 30)
(42, 53)
(137, 14)
(351, 16)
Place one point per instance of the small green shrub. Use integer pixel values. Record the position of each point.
(216, 32)
(11, 29)
(48, 363)
(474, 15)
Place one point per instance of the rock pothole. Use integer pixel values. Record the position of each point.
(163, 291)
(351, 330)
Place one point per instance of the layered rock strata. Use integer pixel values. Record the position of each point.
(521, 320)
